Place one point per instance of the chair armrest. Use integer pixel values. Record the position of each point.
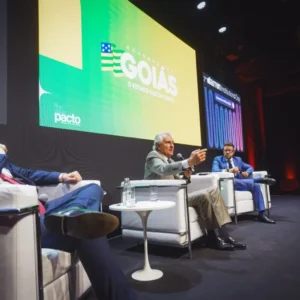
(58, 190)
(259, 174)
(200, 182)
(17, 196)
(18, 242)
(226, 187)
(148, 183)
(167, 220)
(224, 175)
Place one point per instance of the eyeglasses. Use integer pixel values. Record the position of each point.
(229, 151)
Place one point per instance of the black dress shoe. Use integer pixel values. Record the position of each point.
(81, 223)
(238, 246)
(220, 244)
(268, 181)
(263, 218)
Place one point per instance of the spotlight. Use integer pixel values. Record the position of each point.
(222, 29)
(201, 5)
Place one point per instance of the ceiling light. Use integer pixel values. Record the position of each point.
(201, 5)
(222, 29)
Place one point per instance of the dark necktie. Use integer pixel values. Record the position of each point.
(15, 181)
(230, 164)
(169, 160)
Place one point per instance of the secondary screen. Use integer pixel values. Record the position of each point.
(223, 115)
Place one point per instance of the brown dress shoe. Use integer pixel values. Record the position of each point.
(81, 223)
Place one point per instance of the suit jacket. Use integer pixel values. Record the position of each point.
(220, 163)
(31, 177)
(158, 167)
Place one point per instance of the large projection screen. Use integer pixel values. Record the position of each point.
(3, 64)
(106, 67)
(223, 113)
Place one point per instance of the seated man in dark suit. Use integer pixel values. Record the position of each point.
(73, 222)
(208, 203)
(243, 180)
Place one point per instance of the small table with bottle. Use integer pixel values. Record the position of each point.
(143, 209)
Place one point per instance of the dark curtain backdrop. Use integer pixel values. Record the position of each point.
(283, 147)
(106, 158)
(3, 71)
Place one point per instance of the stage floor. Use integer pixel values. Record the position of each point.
(268, 269)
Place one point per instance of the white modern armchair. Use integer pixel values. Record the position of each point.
(239, 202)
(177, 226)
(26, 270)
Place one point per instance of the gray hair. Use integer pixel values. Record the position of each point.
(159, 138)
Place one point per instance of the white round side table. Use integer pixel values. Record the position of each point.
(143, 209)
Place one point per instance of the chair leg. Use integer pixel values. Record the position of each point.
(268, 200)
(235, 209)
(190, 251)
(39, 254)
(188, 222)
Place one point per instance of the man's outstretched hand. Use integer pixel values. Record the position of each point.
(72, 177)
(197, 157)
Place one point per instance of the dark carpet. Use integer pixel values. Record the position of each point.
(268, 269)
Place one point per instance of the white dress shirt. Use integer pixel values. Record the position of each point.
(227, 164)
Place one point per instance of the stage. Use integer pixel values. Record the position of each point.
(268, 269)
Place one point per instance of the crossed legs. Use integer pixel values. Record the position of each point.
(108, 280)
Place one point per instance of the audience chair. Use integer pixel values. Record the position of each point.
(26, 270)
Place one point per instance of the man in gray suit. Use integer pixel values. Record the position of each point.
(208, 203)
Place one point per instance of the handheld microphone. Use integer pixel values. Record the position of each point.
(43, 198)
(179, 156)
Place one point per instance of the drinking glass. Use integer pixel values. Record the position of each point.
(131, 198)
(153, 193)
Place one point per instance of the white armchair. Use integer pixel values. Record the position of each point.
(26, 270)
(239, 202)
(176, 226)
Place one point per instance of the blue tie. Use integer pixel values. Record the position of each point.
(230, 164)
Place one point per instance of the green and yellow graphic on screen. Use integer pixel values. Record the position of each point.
(108, 68)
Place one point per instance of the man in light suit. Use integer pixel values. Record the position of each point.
(243, 179)
(73, 223)
(208, 203)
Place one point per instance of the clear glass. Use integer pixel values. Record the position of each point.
(131, 197)
(153, 193)
(124, 197)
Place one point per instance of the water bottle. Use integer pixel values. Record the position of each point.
(128, 194)
(125, 191)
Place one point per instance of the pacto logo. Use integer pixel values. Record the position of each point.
(67, 119)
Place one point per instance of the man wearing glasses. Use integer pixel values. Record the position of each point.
(243, 178)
